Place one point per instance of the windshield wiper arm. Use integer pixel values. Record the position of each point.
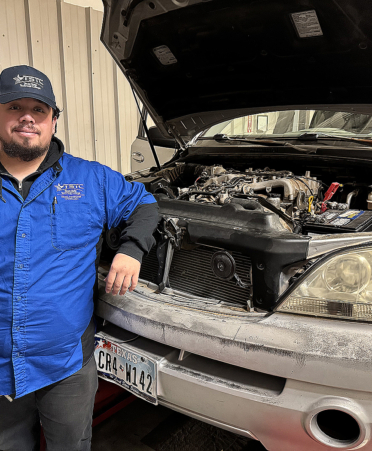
(262, 141)
(319, 135)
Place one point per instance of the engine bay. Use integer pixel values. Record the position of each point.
(304, 203)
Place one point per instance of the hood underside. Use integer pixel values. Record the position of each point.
(194, 63)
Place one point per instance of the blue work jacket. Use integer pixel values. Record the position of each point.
(47, 267)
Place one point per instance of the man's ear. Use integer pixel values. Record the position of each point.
(54, 121)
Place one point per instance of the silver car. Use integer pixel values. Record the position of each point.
(254, 309)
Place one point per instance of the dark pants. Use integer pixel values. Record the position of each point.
(64, 409)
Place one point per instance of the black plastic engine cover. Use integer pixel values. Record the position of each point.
(252, 233)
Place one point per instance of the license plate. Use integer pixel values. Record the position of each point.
(132, 371)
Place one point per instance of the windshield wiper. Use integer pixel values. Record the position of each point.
(262, 141)
(319, 135)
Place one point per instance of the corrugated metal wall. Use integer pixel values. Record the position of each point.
(99, 121)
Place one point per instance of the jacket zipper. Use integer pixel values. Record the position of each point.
(19, 186)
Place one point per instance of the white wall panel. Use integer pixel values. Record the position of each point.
(104, 108)
(13, 34)
(77, 81)
(45, 49)
(95, 4)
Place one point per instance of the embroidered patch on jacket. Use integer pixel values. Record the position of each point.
(70, 191)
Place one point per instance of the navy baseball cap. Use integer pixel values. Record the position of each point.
(18, 82)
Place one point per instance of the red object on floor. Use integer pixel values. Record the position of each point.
(110, 398)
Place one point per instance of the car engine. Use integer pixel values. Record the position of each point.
(303, 203)
(281, 188)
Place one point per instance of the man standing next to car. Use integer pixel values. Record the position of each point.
(53, 208)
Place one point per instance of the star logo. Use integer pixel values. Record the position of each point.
(18, 79)
(100, 343)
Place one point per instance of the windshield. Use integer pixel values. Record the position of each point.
(294, 123)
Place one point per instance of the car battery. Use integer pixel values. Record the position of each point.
(338, 221)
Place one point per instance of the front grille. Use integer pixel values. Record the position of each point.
(191, 272)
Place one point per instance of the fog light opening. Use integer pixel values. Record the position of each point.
(338, 425)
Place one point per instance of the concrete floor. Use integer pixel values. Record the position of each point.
(144, 427)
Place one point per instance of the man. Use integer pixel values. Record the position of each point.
(53, 208)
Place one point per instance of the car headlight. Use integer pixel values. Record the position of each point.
(339, 286)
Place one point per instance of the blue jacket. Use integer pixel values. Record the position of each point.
(47, 266)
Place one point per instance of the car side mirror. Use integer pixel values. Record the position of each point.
(159, 140)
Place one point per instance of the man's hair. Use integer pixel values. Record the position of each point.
(56, 112)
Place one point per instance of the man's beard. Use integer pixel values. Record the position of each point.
(24, 153)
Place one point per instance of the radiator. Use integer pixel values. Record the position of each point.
(191, 272)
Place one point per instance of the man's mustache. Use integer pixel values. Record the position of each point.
(26, 129)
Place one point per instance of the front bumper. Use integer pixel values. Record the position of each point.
(263, 376)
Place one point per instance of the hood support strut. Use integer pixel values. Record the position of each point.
(147, 131)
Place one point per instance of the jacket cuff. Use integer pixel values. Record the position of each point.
(130, 248)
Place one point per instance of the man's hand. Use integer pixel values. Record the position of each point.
(123, 273)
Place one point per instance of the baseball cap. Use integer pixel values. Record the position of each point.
(18, 82)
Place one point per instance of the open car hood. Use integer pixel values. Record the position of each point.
(194, 63)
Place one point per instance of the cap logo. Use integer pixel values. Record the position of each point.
(27, 81)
